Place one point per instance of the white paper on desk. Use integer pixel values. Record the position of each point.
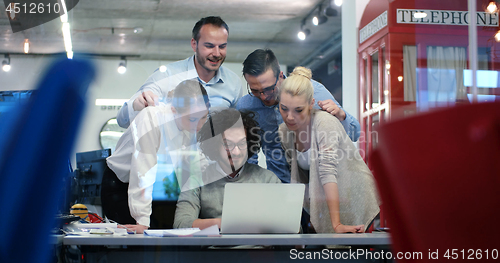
(95, 225)
(182, 232)
(84, 229)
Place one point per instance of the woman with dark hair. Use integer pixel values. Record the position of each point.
(227, 138)
(162, 134)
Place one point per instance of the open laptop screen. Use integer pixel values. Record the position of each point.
(262, 208)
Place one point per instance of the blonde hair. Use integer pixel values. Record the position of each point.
(299, 84)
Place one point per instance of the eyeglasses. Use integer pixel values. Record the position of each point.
(242, 145)
(266, 91)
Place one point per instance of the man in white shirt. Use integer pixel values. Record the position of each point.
(158, 134)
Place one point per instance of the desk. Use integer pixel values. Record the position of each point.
(378, 239)
(277, 247)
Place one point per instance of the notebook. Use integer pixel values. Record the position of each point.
(262, 208)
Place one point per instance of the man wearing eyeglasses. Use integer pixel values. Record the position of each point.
(264, 77)
(227, 138)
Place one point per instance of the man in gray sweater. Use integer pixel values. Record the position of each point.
(227, 138)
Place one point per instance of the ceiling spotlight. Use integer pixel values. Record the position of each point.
(122, 67)
(322, 19)
(330, 11)
(138, 30)
(303, 33)
(492, 7)
(163, 68)
(338, 2)
(319, 18)
(6, 64)
(26, 46)
(497, 36)
(315, 20)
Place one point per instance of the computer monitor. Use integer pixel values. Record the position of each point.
(165, 187)
(67, 194)
(13, 98)
(90, 168)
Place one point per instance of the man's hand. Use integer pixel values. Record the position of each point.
(146, 99)
(332, 108)
(138, 229)
(208, 222)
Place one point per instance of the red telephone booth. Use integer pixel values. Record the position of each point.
(413, 56)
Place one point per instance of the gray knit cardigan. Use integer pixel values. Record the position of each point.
(334, 158)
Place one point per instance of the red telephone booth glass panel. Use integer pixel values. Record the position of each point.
(375, 80)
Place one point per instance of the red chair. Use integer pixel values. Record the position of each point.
(439, 178)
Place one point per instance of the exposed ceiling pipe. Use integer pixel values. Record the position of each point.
(331, 47)
(334, 50)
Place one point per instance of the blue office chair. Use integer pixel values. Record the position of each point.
(35, 145)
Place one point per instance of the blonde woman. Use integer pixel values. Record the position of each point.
(341, 195)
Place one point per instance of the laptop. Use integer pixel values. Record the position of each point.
(262, 208)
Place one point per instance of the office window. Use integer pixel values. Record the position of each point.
(410, 72)
(375, 80)
(445, 66)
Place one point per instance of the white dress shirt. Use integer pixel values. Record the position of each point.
(153, 137)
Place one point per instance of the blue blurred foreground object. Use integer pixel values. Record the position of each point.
(34, 151)
(438, 176)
